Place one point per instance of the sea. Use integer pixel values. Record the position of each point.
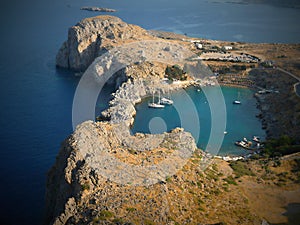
(240, 119)
(36, 97)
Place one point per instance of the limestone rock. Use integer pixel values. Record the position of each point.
(92, 37)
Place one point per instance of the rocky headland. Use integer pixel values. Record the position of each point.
(97, 9)
(92, 37)
(105, 175)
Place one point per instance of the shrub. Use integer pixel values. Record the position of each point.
(118, 221)
(240, 169)
(230, 180)
(104, 214)
(85, 186)
(211, 175)
(282, 146)
(149, 222)
(168, 179)
(175, 72)
(130, 209)
(239, 67)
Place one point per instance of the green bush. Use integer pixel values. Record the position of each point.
(168, 179)
(230, 180)
(130, 209)
(175, 72)
(240, 169)
(118, 221)
(104, 215)
(85, 186)
(239, 67)
(282, 146)
(149, 222)
(211, 175)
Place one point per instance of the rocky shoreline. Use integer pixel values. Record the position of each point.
(97, 9)
(278, 98)
(105, 175)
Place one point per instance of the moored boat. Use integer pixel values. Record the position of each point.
(166, 101)
(236, 102)
(242, 144)
(256, 139)
(156, 105)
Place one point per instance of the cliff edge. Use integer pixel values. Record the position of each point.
(92, 37)
(105, 175)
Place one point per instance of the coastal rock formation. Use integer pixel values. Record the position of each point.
(92, 37)
(280, 110)
(105, 175)
(75, 179)
(80, 193)
(97, 9)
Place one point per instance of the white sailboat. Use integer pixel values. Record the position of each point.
(155, 105)
(237, 102)
(167, 100)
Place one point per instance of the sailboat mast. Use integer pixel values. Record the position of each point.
(158, 97)
(153, 97)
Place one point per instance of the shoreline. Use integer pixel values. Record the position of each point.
(237, 86)
(126, 87)
(77, 191)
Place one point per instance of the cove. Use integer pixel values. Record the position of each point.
(241, 119)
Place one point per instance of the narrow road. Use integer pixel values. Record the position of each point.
(297, 85)
(287, 72)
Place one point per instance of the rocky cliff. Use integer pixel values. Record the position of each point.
(84, 187)
(105, 175)
(84, 181)
(280, 110)
(93, 36)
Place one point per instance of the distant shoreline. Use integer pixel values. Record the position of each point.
(97, 9)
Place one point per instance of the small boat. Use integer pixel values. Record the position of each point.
(166, 101)
(236, 102)
(199, 90)
(155, 105)
(225, 132)
(245, 139)
(242, 144)
(248, 145)
(256, 139)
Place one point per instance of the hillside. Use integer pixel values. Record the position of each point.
(105, 175)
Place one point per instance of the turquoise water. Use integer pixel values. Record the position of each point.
(241, 121)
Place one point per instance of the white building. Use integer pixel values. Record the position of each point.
(199, 46)
(227, 47)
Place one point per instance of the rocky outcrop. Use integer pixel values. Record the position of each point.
(92, 37)
(82, 169)
(280, 110)
(85, 187)
(105, 175)
(97, 9)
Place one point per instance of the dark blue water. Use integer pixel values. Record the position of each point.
(241, 121)
(36, 99)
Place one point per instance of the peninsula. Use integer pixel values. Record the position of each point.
(82, 188)
(97, 9)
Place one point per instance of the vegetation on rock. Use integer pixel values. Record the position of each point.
(175, 73)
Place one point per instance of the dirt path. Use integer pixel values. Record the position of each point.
(271, 202)
(297, 85)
